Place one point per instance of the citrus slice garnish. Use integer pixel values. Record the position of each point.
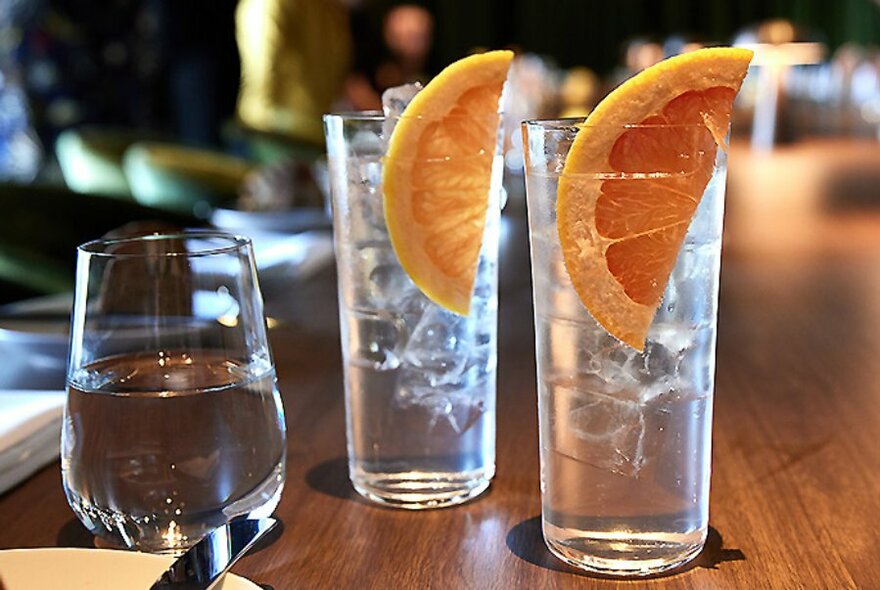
(627, 196)
(437, 173)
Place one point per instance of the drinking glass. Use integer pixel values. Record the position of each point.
(625, 435)
(173, 424)
(419, 380)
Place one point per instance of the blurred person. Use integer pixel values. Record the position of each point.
(678, 44)
(361, 93)
(642, 54)
(295, 56)
(638, 54)
(408, 32)
(202, 69)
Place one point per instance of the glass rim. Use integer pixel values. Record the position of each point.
(235, 242)
(379, 116)
(575, 123)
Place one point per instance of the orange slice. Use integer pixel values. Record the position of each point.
(627, 196)
(436, 177)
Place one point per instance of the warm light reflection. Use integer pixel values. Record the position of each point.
(173, 537)
(230, 321)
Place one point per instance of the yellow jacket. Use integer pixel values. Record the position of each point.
(295, 55)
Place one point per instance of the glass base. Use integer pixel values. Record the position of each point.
(629, 556)
(415, 490)
(172, 534)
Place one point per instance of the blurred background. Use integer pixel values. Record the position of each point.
(136, 115)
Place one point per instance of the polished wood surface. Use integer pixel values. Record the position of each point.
(796, 472)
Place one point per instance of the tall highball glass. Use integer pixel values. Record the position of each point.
(419, 380)
(625, 436)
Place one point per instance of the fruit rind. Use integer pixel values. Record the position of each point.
(588, 159)
(486, 69)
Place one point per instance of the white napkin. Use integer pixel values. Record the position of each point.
(30, 433)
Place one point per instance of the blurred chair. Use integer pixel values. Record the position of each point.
(183, 179)
(38, 237)
(91, 159)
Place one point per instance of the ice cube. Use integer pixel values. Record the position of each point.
(366, 216)
(659, 361)
(465, 414)
(484, 303)
(395, 99)
(690, 296)
(667, 359)
(375, 339)
(394, 102)
(675, 338)
(410, 304)
(362, 260)
(457, 413)
(455, 403)
(617, 370)
(598, 429)
(696, 369)
(480, 364)
(415, 389)
(614, 430)
(412, 387)
(440, 408)
(389, 286)
(365, 142)
(439, 345)
(474, 393)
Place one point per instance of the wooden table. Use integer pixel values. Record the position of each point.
(796, 478)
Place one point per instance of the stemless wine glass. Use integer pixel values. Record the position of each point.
(173, 423)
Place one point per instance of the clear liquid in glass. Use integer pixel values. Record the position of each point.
(159, 448)
(626, 435)
(420, 380)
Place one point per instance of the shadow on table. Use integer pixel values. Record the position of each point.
(74, 534)
(526, 542)
(331, 478)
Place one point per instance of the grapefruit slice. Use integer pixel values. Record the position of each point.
(627, 196)
(437, 173)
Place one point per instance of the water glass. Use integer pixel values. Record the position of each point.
(419, 380)
(625, 435)
(173, 424)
